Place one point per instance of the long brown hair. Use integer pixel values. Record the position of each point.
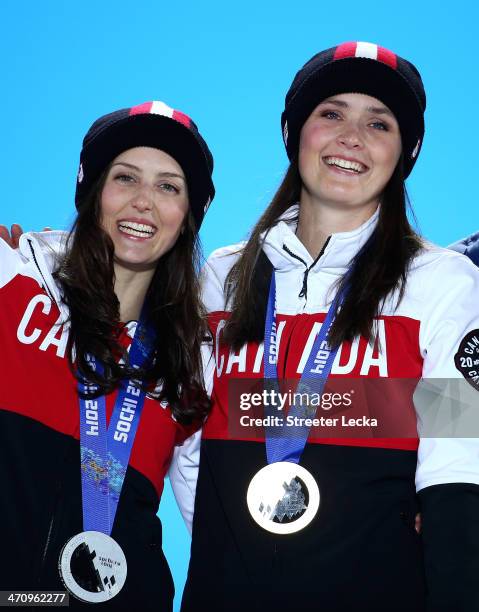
(378, 269)
(86, 275)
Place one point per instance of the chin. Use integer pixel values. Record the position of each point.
(341, 200)
(346, 197)
(135, 264)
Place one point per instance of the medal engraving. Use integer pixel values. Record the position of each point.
(283, 497)
(292, 505)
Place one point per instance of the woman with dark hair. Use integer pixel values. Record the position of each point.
(335, 287)
(101, 366)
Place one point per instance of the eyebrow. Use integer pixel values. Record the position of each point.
(162, 174)
(377, 110)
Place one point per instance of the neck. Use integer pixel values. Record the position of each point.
(130, 288)
(318, 221)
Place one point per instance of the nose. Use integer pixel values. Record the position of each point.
(143, 199)
(350, 137)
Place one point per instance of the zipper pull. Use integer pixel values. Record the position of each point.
(304, 290)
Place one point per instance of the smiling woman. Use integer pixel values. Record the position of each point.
(347, 154)
(104, 330)
(334, 285)
(144, 205)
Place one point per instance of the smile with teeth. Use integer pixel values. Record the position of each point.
(344, 164)
(140, 230)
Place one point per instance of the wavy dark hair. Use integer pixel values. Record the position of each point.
(86, 275)
(378, 269)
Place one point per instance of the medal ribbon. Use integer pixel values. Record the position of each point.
(105, 452)
(289, 444)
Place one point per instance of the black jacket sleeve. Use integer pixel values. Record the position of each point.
(450, 532)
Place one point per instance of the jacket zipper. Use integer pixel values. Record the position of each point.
(50, 530)
(45, 548)
(304, 290)
(45, 284)
(57, 511)
(52, 520)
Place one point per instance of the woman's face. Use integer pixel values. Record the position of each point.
(144, 203)
(349, 147)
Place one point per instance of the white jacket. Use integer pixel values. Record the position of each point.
(439, 308)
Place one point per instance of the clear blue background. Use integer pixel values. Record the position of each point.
(228, 65)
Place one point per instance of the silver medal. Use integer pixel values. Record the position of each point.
(283, 497)
(92, 567)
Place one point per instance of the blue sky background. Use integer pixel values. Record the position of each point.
(228, 65)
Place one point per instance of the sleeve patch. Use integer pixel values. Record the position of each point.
(466, 359)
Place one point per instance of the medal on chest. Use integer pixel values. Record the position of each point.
(92, 565)
(283, 497)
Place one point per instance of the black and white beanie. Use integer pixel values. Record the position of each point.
(358, 67)
(151, 124)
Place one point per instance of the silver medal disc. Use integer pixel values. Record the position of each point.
(92, 567)
(283, 497)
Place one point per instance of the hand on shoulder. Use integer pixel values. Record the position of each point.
(11, 237)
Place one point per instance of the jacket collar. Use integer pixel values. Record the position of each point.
(283, 247)
(43, 249)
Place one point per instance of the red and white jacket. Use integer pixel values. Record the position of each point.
(418, 338)
(39, 442)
